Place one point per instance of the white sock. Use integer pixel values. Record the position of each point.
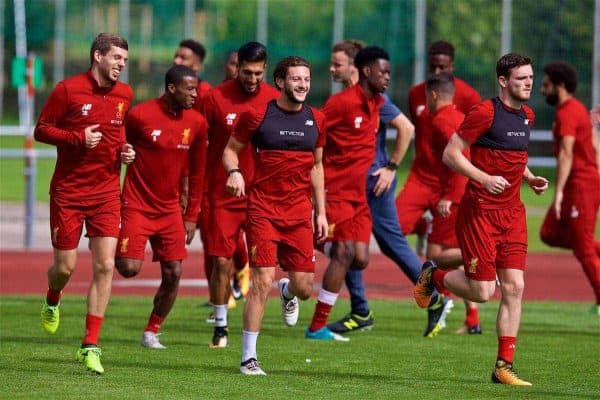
(286, 291)
(220, 311)
(327, 297)
(249, 345)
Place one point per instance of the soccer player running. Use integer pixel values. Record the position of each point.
(167, 134)
(571, 220)
(352, 123)
(222, 109)
(83, 118)
(421, 191)
(442, 246)
(288, 138)
(381, 183)
(491, 226)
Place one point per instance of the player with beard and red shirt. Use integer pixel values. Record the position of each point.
(491, 226)
(352, 123)
(288, 138)
(571, 220)
(83, 118)
(222, 109)
(421, 189)
(442, 246)
(167, 134)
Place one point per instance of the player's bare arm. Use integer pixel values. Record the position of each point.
(404, 133)
(563, 170)
(235, 180)
(454, 158)
(317, 180)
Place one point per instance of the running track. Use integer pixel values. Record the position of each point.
(549, 276)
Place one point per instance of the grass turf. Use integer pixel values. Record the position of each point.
(558, 351)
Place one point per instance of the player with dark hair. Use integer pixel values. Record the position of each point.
(222, 109)
(288, 139)
(191, 54)
(83, 118)
(491, 226)
(421, 191)
(381, 183)
(230, 67)
(167, 134)
(352, 123)
(571, 220)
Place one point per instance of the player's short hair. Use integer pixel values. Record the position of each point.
(442, 83)
(562, 72)
(369, 55)
(509, 61)
(252, 52)
(196, 47)
(350, 47)
(283, 66)
(104, 41)
(176, 73)
(441, 47)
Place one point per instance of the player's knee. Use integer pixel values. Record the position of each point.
(303, 291)
(127, 267)
(343, 253)
(360, 261)
(171, 271)
(513, 289)
(104, 265)
(262, 284)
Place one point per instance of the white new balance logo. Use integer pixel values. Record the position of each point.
(230, 117)
(155, 134)
(357, 122)
(309, 122)
(86, 108)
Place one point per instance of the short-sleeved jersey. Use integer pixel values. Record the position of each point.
(444, 123)
(387, 113)
(423, 165)
(73, 105)
(573, 119)
(284, 144)
(352, 124)
(499, 137)
(222, 109)
(164, 143)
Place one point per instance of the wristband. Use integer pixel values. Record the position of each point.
(391, 166)
(231, 171)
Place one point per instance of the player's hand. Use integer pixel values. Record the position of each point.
(127, 154)
(92, 136)
(190, 231)
(538, 184)
(384, 180)
(235, 184)
(321, 228)
(557, 204)
(496, 184)
(443, 208)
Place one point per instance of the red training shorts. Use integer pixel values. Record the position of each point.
(289, 242)
(491, 239)
(101, 217)
(443, 229)
(165, 231)
(413, 200)
(223, 231)
(348, 221)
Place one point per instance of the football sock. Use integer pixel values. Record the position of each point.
(220, 311)
(472, 318)
(506, 348)
(324, 305)
(154, 323)
(92, 329)
(249, 345)
(53, 297)
(438, 280)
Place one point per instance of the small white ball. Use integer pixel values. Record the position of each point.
(308, 360)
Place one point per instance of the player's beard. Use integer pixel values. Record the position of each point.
(292, 96)
(552, 99)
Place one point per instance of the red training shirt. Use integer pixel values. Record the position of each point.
(73, 105)
(164, 142)
(573, 119)
(423, 165)
(222, 108)
(352, 123)
(444, 123)
(509, 164)
(201, 92)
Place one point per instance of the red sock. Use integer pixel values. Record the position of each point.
(319, 319)
(506, 348)
(53, 296)
(472, 318)
(92, 329)
(438, 280)
(154, 323)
